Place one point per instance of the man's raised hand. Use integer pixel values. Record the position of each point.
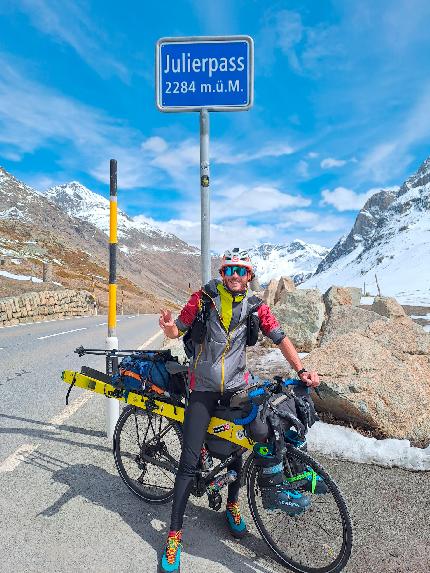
(167, 324)
(166, 319)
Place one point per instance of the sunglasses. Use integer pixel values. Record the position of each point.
(229, 271)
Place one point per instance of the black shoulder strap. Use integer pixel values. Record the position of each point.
(255, 302)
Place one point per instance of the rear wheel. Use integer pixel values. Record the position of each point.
(147, 448)
(317, 541)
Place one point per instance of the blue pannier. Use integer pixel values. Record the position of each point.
(152, 371)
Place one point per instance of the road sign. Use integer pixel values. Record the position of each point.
(213, 73)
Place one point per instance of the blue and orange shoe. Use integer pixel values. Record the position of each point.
(235, 522)
(171, 558)
(284, 498)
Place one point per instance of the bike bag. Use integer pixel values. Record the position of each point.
(151, 372)
(218, 447)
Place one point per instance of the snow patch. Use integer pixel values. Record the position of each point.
(338, 442)
(8, 275)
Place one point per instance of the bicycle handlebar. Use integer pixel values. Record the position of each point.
(260, 391)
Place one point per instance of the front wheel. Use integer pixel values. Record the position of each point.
(317, 541)
(147, 448)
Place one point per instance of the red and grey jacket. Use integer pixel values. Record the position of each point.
(219, 362)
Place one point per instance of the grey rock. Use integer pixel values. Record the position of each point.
(344, 319)
(301, 314)
(387, 306)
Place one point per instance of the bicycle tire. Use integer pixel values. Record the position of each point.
(141, 433)
(319, 551)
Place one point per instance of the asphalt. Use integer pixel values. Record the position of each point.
(65, 509)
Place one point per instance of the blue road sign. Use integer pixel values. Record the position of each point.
(215, 73)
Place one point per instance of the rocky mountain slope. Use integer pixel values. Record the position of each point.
(390, 239)
(34, 228)
(298, 260)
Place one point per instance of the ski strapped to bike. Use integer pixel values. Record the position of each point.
(224, 429)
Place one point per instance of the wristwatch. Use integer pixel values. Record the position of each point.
(301, 371)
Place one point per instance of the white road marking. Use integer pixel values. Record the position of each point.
(70, 409)
(150, 340)
(24, 451)
(18, 456)
(59, 333)
(102, 323)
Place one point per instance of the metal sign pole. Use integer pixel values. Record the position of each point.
(111, 405)
(205, 196)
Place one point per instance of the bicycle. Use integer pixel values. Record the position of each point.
(147, 446)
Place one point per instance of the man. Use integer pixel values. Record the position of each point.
(217, 370)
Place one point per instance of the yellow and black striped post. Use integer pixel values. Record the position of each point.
(112, 406)
(113, 242)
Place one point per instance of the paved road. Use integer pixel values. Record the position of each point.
(64, 508)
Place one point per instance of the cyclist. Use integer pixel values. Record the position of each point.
(217, 370)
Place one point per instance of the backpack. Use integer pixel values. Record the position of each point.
(197, 331)
(151, 372)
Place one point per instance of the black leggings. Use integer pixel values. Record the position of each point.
(197, 417)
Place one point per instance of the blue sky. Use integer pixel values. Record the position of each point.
(342, 99)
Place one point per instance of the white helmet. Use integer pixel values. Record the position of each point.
(238, 258)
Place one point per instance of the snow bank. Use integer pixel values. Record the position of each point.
(338, 442)
(20, 277)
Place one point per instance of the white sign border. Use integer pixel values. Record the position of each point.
(208, 39)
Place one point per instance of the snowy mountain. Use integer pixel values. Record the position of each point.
(78, 201)
(390, 239)
(298, 260)
(68, 227)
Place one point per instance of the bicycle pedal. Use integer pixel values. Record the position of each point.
(215, 501)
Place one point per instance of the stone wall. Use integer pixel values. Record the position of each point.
(45, 305)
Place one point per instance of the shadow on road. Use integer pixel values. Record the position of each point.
(150, 522)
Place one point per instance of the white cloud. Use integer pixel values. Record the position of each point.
(313, 154)
(243, 200)
(303, 168)
(155, 144)
(69, 24)
(223, 235)
(331, 162)
(312, 221)
(344, 199)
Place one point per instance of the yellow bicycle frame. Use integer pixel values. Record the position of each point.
(225, 429)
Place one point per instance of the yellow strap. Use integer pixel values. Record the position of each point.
(221, 428)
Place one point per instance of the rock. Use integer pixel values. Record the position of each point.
(378, 377)
(336, 296)
(301, 314)
(344, 319)
(177, 348)
(356, 294)
(254, 285)
(284, 284)
(387, 306)
(269, 293)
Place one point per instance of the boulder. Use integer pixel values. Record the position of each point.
(176, 347)
(344, 319)
(269, 293)
(284, 284)
(356, 295)
(336, 296)
(387, 306)
(301, 314)
(254, 285)
(378, 377)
